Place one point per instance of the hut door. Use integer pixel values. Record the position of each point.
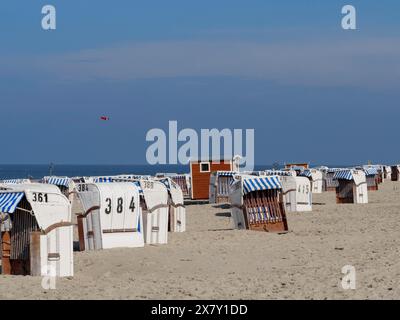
(5, 252)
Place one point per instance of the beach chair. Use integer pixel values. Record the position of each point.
(257, 204)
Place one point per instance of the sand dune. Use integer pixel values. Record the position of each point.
(211, 261)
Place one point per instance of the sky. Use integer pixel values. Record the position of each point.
(312, 91)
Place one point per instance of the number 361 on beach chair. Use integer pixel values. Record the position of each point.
(36, 232)
(257, 204)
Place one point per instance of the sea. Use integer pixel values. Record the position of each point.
(38, 171)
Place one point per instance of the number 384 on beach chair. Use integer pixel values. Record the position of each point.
(257, 204)
(112, 216)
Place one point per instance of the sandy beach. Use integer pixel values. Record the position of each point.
(212, 261)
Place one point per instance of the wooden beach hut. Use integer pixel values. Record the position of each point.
(352, 186)
(36, 233)
(200, 171)
(257, 204)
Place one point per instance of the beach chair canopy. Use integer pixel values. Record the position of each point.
(118, 178)
(15, 181)
(9, 201)
(358, 176)
(251, 184)
(102, 179)
(372, 171)
(135, 179)
(226, 173)
(131, 177)
(278, 173)
(346, 174)
(306, 173)
(334, 170)
(10, 198)
(58, 181)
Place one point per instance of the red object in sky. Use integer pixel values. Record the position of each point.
(104, 118)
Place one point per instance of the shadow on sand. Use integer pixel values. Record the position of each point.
(222, 206)
(223, 214)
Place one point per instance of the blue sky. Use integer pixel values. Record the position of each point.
(312, 91)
